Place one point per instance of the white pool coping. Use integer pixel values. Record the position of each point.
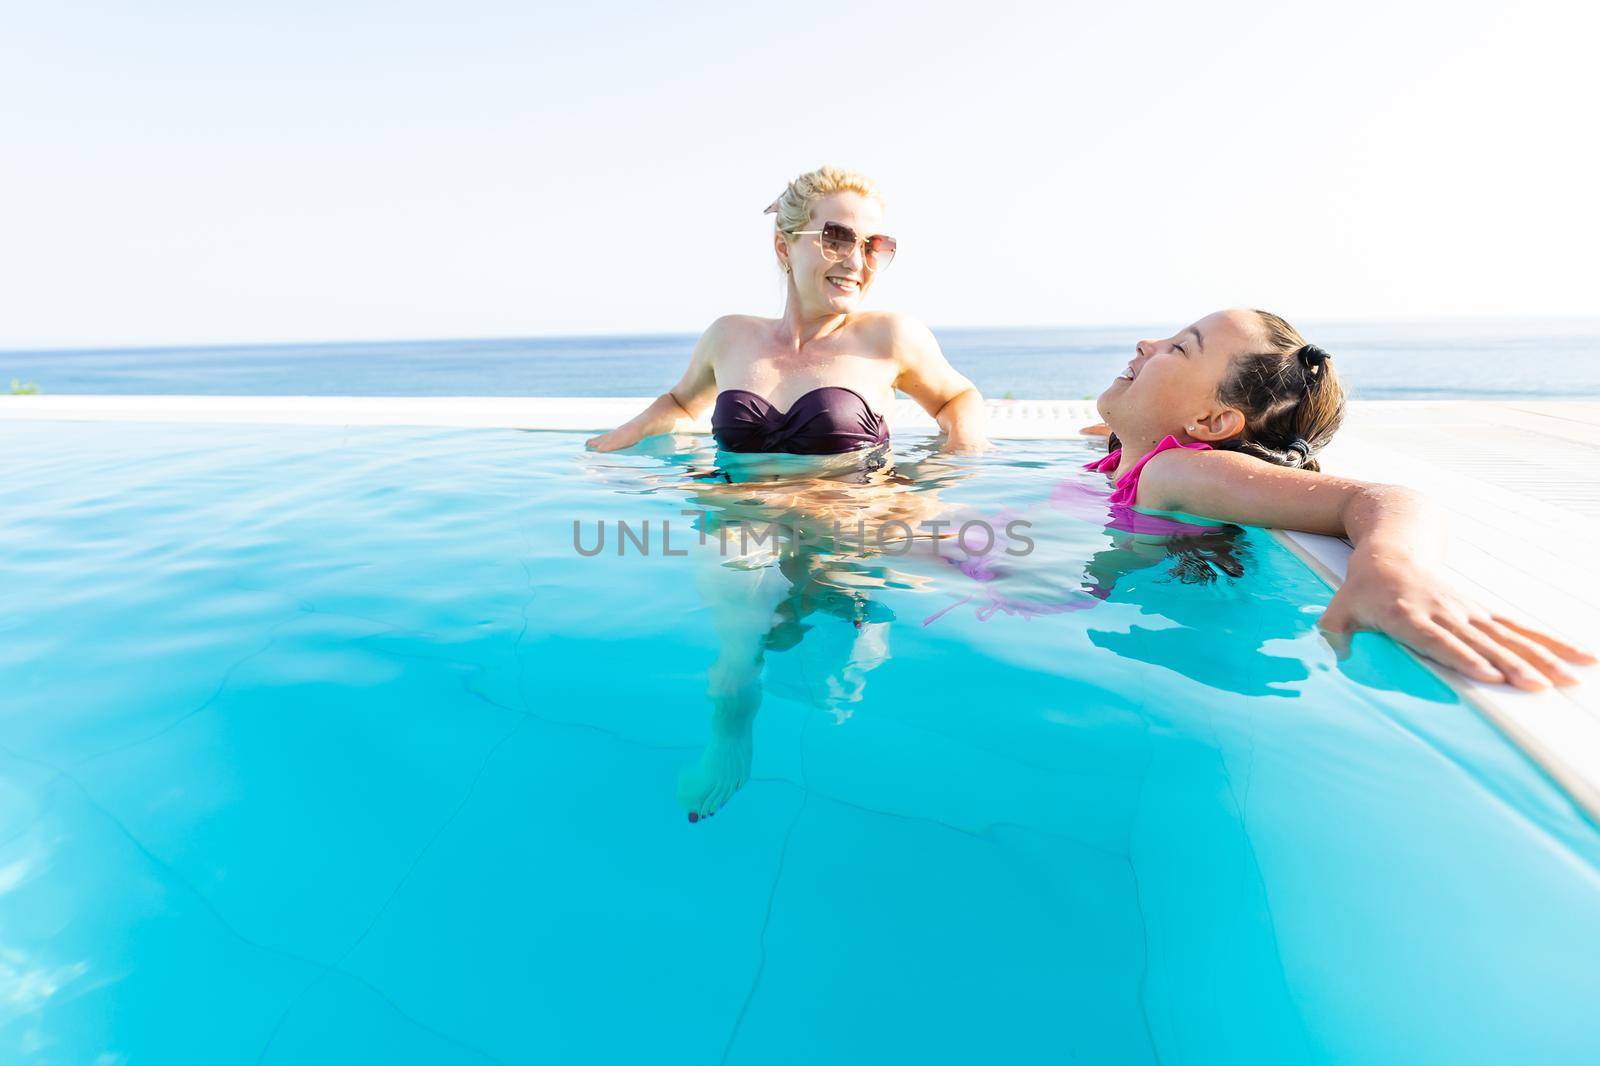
(1519, 481)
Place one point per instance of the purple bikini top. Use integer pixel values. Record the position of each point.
(824, 421)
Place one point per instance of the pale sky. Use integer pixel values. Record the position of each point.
(181, 172)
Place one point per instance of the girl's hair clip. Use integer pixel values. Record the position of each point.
(772, 208)
(1313, 357)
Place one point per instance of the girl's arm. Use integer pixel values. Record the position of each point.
(685, 400)
(1392, 584)
(928, 378)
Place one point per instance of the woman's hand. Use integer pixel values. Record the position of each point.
(964, 441)
(693, 392)
(625, 436)
(928, 378)
(1394, 592)
(662, 416)
(962, 421)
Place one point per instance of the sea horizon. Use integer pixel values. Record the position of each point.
(1591, 322)
(1435, 358)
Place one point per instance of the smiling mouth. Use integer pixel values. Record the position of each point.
(1128, 373)
(845, 284)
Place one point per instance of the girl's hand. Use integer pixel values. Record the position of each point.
(1397, 594)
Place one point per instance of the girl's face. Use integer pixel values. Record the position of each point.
(827, 280)
(1170, 386)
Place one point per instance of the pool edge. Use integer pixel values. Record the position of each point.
(1551, 728)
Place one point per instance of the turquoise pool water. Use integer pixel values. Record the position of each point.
(323, 746)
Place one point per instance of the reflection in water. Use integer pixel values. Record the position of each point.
(1198, 634)
(790, 552)
(1061, 572)
(1201, 634)
(1034, 585)
(812, 589)
(853, 526)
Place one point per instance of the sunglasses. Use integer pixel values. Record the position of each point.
(839, 241)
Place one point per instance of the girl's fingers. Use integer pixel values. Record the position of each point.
(1508, 662)
(1338, 640)
(1560, 647)
(1335, 626)
(1446, 648)
(1335, 619)
(1535, 654)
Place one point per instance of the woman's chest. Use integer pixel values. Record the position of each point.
(784, 376)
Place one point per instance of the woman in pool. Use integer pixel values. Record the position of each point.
(816, 380)
(1225, 418)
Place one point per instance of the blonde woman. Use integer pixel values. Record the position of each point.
(818, 379)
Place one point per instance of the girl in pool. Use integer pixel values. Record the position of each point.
(1225, 419)
(816, 380)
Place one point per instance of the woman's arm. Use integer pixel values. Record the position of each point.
(1392, 584)
(928, 378)
(685, 400)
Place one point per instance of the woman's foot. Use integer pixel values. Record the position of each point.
(722, 771)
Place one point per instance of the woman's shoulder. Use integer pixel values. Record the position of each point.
(734, 324)
(894, 323)
(734, 331)
(898, 333)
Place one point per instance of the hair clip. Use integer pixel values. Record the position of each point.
(772, 208)
(1313, 357)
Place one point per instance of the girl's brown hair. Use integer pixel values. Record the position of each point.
(1290, 397)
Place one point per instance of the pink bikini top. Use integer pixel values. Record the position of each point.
(1117, 512)
(1127, 488)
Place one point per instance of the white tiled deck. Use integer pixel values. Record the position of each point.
(1520, 482)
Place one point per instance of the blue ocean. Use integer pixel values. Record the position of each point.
(1462, 360)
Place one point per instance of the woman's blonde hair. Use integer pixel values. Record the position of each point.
(793, 207)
